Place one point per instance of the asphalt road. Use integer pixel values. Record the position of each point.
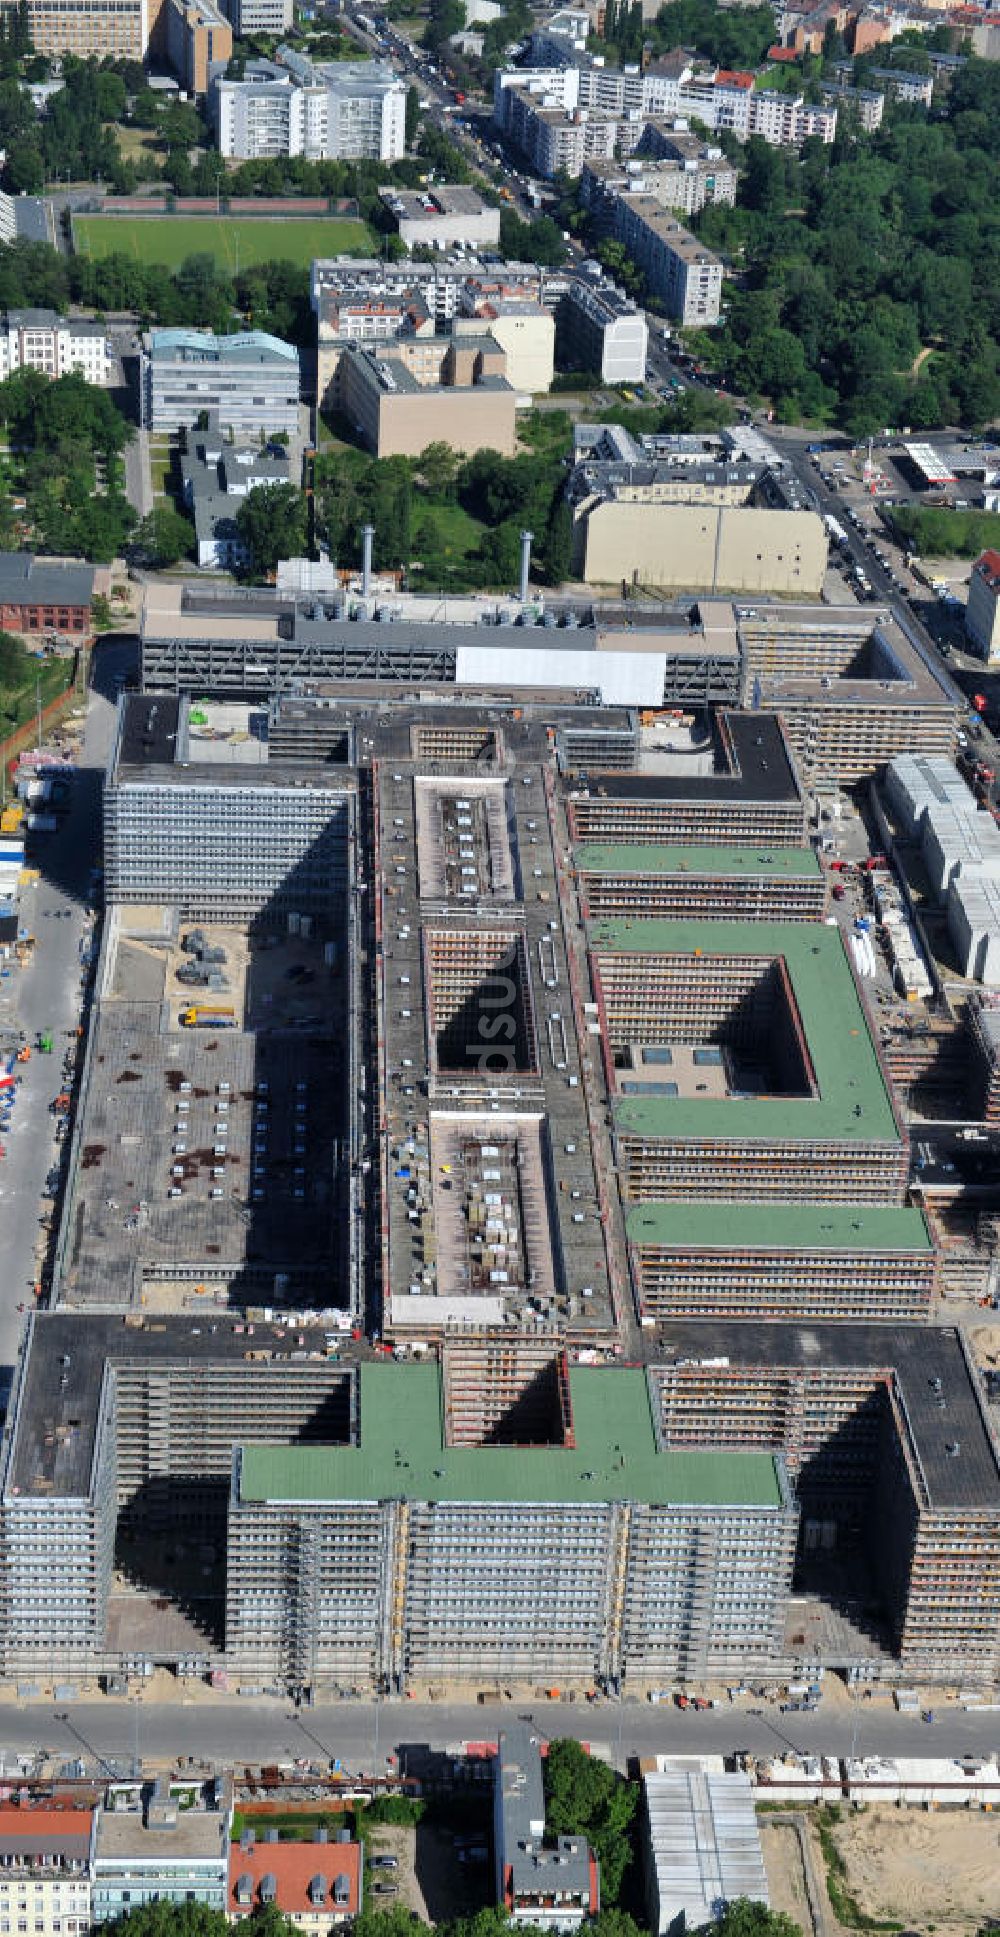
(48, 997)
(361, 1735)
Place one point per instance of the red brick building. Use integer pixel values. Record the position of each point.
(40, 595)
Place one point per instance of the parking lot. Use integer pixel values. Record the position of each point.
(208, 1156)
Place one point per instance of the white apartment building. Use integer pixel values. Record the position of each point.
(260, 16)
(346, 111)
(544, 107)
(601, 329)
(686, 183)
(787, 120)
(39, 339)
(678, 268)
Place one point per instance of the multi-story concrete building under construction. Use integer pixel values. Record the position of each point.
(219, 840)
(740, 1064)
(394, 1526)
(565, 1541)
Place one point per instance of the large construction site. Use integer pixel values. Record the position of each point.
(490, 1073)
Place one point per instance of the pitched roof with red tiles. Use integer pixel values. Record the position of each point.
(732, 77)
(45, 1831)
(295, 1868)
(777, 53)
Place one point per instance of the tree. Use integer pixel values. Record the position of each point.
(271, 521)
(438, 468)
(584, 1797)
(412, 114)
(163, 537)
(744, 1918)
(557, 552)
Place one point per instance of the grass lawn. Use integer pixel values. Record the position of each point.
(165, 240)
(457, 532)
(137, 144)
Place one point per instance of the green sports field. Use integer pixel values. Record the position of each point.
(236, 243)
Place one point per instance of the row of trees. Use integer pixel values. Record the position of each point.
(867, 273)
(270, 295)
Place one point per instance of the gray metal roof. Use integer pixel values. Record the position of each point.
(25, 579)
(704, 1845)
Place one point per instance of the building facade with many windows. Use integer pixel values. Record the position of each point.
(249, 381)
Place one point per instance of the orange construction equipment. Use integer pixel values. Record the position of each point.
(24, 1055)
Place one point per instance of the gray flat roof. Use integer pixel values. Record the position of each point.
(917, 1355)
(25, 579)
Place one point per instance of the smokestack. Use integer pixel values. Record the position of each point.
(367, 537)
(526, 538)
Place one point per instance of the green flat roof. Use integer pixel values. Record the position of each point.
(778, 864)
(705, 1226)
(853, 1102)
(402, 1454)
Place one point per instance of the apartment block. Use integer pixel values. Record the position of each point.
(916, 89)
(553, 141)
(45, 1868)
(261, 17)
(199, 42)
(695, 177)
(685, 275)
(249, 381)
(601, 329)
(982, 610)
(862, 106)
(786, 121)
(714, 883)
(777, 1261)
(219, 843)
(39, 339)
(423, 390)
(547, 1883)
(546, 105)
(333, 111)
(99, 29)
(741, 1065)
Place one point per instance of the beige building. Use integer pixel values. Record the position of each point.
(199, 42)
(701, 547)
(119, 29)
(526, 333)
(429, 390)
